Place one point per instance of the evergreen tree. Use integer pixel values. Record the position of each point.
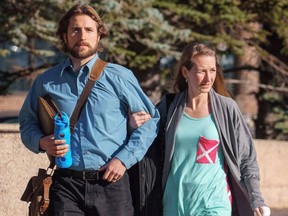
(148, 36)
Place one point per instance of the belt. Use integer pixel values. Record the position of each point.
(84, 175)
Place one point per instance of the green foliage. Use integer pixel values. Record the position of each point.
(278, 116)
(24, 20)
(281, 125)
(274, 17)
(139, 33)
(144, 31)
(272, 97)
(150, 27)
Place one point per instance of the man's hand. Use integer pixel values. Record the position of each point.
(53, 147)
(138, 119)
(262, 211)
(114, 170)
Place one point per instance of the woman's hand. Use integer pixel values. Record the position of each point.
(262, 211)
(137, 119)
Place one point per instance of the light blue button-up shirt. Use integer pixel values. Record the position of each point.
(101, 131)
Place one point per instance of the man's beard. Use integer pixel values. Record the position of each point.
(83, 53)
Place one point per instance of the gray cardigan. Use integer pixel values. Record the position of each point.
(237, 145)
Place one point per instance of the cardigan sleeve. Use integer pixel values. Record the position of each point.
(239, 148)
(247, 159)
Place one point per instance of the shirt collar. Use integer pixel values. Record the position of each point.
(91, 63)
(67, 65)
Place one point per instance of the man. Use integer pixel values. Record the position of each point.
(97, 182)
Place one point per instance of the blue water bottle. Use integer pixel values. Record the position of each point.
(62, 132)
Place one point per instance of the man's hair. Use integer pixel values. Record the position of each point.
(188, 54)
(79, 9)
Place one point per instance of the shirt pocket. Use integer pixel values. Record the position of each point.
(107, 112)
(207, 150)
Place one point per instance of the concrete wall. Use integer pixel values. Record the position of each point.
(18, 164)
(273, 162)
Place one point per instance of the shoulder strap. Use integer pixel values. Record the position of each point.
(94, 75)
(96, 71)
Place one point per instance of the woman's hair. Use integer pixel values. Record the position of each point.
(188, 54)
(79, 9)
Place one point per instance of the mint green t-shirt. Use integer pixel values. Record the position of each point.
(196, 185)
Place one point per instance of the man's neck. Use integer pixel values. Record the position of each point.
(78, 63)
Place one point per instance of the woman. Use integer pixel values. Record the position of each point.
(209, 165)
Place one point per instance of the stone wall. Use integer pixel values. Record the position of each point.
(273, 162)
(11, 104)
(18, 164)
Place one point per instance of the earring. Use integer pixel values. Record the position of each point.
(186, 80)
